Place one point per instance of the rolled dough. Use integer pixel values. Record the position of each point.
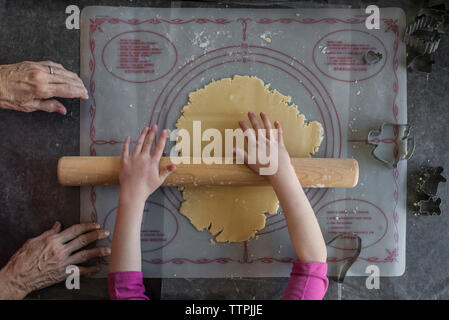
(235, 214)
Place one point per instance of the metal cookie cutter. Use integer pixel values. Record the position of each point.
(371, 57)
(427, 187)
(352, 242)
(392, 142)
(429, 181)
(429, 207)
(423, 36)
(356, 246)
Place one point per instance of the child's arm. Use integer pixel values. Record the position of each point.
(139, 177)
(305, 233)
(302, 224)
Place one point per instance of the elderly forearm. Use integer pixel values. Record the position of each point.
(10, 289)
(4, 103)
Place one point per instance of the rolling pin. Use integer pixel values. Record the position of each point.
(311, 172)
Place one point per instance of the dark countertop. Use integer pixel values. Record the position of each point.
(31, 143)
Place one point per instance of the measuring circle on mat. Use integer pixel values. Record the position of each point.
(156, 232)
(353, 216)
(139, 56)
(339, 55)
(316, 101)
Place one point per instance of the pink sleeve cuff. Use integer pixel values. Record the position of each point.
(308, 281)
(126, 285)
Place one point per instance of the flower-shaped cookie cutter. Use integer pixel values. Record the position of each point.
(423, 36)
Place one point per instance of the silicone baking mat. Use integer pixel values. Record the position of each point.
(139, 64)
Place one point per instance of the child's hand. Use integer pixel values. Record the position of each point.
(284, 168)
(139, 172)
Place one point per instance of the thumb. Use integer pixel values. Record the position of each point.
(54, 230)
(56, 227)
(52, 105)
(165, 172)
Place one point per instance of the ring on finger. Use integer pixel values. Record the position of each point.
(52, 71)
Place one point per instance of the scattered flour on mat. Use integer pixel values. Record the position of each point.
(201, 40)
(266, 37)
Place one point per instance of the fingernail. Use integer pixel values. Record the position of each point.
(96, 225)
(106, 233)
(56, 225)
(106, 252)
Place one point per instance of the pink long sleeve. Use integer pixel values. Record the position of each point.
(308, 281)
(127, 285)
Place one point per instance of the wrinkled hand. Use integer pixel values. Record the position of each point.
(275, 144)
(139, 172)
(42, 261)
(29, 86)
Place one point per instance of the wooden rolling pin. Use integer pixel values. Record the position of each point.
(311, 172)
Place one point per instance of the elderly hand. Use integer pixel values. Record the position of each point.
(42, 261)
(29, 86)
